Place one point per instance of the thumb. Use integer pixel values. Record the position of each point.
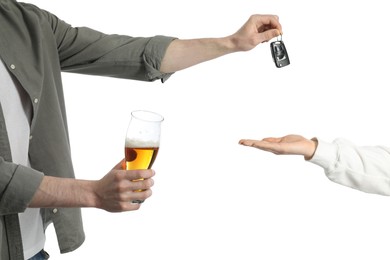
(120, 165)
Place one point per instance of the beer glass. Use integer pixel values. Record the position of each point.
(142, 140)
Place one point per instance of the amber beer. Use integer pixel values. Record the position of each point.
(140, 157)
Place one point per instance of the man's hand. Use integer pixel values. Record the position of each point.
(258, 29)
(116, 191)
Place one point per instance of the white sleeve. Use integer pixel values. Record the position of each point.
(365, 168)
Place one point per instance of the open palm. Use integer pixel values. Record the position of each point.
(289, 144)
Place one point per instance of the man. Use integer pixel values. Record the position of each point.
(37, 184)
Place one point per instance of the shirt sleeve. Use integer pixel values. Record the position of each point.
(18, 185)
(365, 168)
(87, 51)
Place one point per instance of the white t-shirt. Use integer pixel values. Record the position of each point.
(17, 111)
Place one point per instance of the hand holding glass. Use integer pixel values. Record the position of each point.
(142, 140)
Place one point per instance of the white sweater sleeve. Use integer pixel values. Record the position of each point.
(365, 168)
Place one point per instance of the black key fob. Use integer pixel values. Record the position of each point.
(279, 54)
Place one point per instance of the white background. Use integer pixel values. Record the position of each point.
(212, 198)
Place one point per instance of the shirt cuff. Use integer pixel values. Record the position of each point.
(153, 55)
(326, 154)
(20, 191)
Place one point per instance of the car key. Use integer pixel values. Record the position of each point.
(279, 54)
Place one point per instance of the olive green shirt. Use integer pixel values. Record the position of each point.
(36, 46)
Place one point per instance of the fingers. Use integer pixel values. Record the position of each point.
(268, 27)
(126, 186)
(129, 201)
(132, 174)
(268, 22)
(273, 23)
(138, 174)
(246, 142)
(259, 143)
(131, 196)
(252, 143)
(141, 195)
(269, 34)
(140, 184)
(269, 144)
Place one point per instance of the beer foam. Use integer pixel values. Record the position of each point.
(137, 143)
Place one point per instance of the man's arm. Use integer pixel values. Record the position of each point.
(83, 50)
(182, 54)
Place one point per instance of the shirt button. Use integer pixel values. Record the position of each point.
(31, 137)
(12, 66)
(55, 211)
(36, 100)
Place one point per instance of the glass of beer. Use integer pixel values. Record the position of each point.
(142, 140)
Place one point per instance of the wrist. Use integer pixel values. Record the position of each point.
(230, 43)
(90, 198)
(312, 147)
